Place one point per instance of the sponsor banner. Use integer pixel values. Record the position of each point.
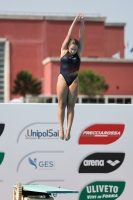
(38, 161)
(2, 155)
(2, 126)
(39, 132)
(101, 134)
(42, 164)
(101, 162)
(103, 190)
(34, 154)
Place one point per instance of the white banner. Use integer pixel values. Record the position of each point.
(97, 161)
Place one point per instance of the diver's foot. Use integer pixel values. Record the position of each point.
(61, 134)
(67, 137)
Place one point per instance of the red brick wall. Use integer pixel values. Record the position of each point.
(116, 75)
(27, 43)
(33, 40)
(48, 74)
(99, 40)
(56, 33)
(119, 76)
(114, 41)
(94, 43)
(51, 72)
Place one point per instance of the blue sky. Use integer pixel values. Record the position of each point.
(113, 10)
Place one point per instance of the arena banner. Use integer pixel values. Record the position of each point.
(97, 161)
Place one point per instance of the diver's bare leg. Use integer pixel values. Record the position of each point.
(62, 93)
(72, 97)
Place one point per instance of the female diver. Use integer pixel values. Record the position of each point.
(67, 84)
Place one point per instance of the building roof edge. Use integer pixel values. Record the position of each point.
(49, 17)
(85, 59)
(116, 24)
(56, 17)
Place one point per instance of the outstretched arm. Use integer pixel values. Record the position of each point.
(69, 34)
(81, 34)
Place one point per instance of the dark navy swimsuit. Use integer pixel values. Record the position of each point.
(69, 67)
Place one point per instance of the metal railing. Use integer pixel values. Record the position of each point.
(47, 14)
(111, 99)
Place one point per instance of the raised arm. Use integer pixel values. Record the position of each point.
(69, 34)
(81, 34)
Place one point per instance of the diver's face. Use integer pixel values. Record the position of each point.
(72, 49)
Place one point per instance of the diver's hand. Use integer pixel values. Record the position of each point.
(77, 18)
(81, 18)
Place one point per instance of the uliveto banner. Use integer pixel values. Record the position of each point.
(102, 190)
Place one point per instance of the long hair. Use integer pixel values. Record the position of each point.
(73, 41)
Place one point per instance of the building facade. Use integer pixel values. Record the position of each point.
(33, 43)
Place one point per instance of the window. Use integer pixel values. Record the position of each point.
(93, 100)
(48, 100)
(101, 100)
(119, 100)
(128, 101)
(111, 100)
(84, 100)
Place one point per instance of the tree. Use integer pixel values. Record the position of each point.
(91, 83)
(26, 84)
